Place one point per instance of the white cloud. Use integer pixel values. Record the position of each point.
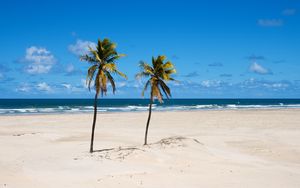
(259, 69)
(270, 22)
(211, 83)
(260, 85)
(276, 85)
(43, 86)
(38, 69)
(72, 88)
(41, 60)
(81, 47)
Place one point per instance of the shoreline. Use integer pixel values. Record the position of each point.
(153, 110)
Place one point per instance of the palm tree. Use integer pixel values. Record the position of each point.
(157, 73)
(103, 65)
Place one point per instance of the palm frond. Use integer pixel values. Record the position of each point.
(156, 92)
(99, 48)
(146, 67)
(109, 48)
(109, 53)
(88, 59)
(90, 75)
(96, 55)
(141, 75)
(158, 62)
(170, 71)
(145, 87)
(164, 76)
(103, 58)
(97, 82)
(159, 72)
(103, 81)
(161, 58)
(168, 65)
(110, 67)
(114, 58)
(165, 88)
(112, 81)
(121, 74)
(172, 79)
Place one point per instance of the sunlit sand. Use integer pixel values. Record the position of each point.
(241, 148)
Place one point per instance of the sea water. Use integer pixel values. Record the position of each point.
(46, 106)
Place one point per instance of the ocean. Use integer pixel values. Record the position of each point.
(48, 106)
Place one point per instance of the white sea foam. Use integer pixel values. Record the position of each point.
(137, 108)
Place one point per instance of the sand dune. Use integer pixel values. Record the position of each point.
(242, 148)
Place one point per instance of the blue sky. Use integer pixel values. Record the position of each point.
(221, 49)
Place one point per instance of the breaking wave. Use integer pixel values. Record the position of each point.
(138, 108)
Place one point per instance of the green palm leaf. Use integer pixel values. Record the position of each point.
(165, 88)
(104, 58)
(145, 87)
(112, 81)
(90, 75)
(157, 73)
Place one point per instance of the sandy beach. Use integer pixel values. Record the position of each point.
(230, 148)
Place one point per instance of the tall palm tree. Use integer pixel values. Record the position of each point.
(158, 73)
(103, 65)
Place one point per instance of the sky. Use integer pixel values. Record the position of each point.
(221, 49)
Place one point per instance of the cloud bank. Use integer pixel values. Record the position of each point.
(81, 47)
(40, 60)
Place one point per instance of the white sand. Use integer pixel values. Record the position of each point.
(245, 148)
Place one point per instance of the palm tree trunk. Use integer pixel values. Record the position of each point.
(94, 123)
(148, 121)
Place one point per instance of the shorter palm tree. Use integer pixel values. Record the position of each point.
(158, 73)
(103, 65)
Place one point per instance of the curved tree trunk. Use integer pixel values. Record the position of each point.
(94, 123)
(148, 121)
